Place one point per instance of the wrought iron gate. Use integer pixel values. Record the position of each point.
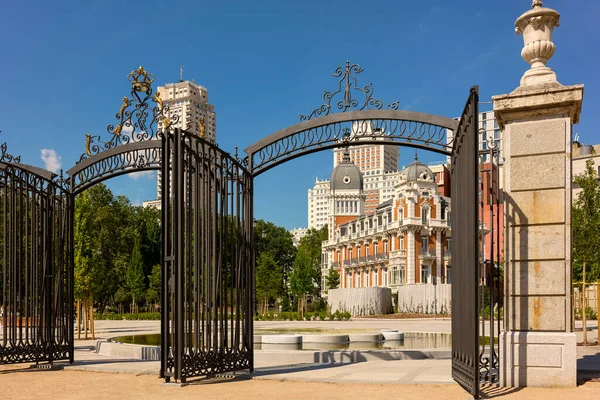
(465, 249)
(208, 268)
(36, 278)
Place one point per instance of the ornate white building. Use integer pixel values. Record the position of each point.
(406, 240)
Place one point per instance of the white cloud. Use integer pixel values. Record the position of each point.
(141, 175)
(414, 103)
(52, 160)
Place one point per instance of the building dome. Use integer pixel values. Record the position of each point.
(417, 171)
(346, 176)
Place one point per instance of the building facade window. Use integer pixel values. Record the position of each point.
(402, 275)
(425, 274)
(394, 275)
(448, 274)
(425, 216)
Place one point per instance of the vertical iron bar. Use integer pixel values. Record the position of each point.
(179, 258)
(164, 271)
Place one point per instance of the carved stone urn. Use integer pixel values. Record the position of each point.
(537, 25)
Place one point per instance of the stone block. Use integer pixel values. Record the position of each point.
(537, 242)
(537, 313)
(537, 207)
(538, 172)
(538, 137)
(542, 359)
(535, 278)
(538, 355)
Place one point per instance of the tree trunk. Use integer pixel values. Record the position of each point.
(92, 317)
(583, 308)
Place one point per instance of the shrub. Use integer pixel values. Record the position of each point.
(128, 317)
(309, 316)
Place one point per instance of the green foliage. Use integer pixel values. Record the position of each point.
(134, 275)
(333, 279)
(317, 305)
(268, 280)
(586, 225)
(309, 316)
(130, 317)
(154, 284)
(305, 278)
(116, 245)
(278, 241)
(104, 231)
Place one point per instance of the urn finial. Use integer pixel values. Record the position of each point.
(537, 25)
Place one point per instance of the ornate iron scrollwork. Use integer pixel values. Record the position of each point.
(8, 157)
(137, 118)
(348, 83)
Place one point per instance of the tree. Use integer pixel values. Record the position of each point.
(586, 232)
(586, 225)
(305, 278)
(154, 285)
(268, 280)
(302, 282)
(333, 279)
(279, 242)
(105, 229)
(147, 221)
(134, 275)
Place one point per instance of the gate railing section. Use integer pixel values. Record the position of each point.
(465, 257)
(490, 275)
(208, 264)
(36, 280)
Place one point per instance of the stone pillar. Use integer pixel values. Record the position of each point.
(438, 257)
(410, 258)
(538, 345)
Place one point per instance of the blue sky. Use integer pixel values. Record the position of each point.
(65, 63)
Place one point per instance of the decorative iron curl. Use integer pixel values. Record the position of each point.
(138, 120)
(5, 157)
(348, 80)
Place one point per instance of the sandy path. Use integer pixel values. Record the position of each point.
(20, 382)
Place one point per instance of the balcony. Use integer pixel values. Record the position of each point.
(382, 256)
(371, 258)
(335, 264)
(427, 254)
(398, 253)
(346, 263)
(362, 260)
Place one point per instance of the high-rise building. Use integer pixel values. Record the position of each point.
(378, 165)
(298, 234)
(374, 161)
(189, 102)
(318, 204)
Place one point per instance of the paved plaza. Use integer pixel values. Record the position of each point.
(280, 374)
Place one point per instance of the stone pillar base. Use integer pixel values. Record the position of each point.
(543, 359)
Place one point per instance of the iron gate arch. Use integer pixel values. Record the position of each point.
(208, 256)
